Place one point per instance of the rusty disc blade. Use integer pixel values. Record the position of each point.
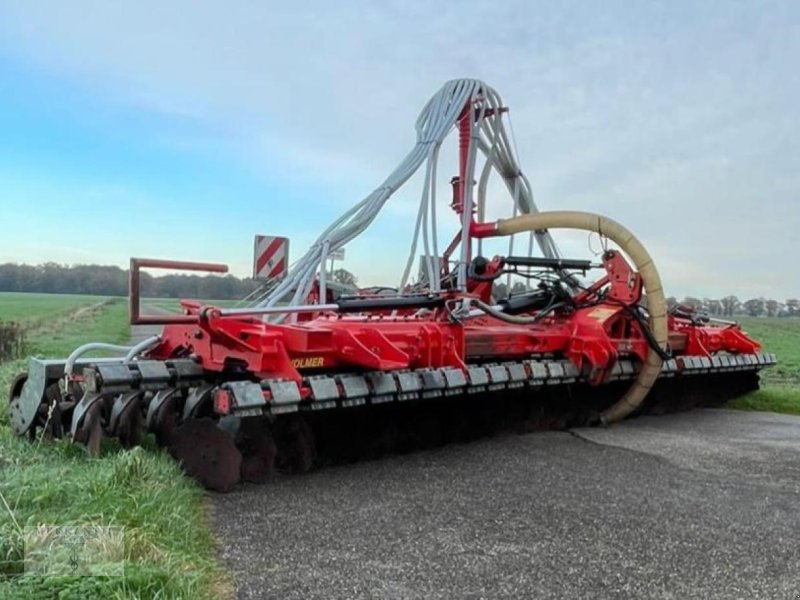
(165, 421)
(129, 425)
(295, 442)
(258, 448)
(207, 454)
(91, 430)
(259, 463)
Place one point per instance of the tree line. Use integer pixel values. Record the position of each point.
(730, 306)
(102, 280)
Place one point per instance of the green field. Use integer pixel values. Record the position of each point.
(780, 385)
(32, 308)
(169, 550)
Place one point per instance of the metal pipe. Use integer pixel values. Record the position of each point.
(134, 281)
(278, 310)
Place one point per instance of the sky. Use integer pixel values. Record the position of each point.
(181, 129)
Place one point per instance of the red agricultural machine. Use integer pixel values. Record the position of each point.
(302, 375)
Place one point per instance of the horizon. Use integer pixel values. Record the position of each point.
(182, 131)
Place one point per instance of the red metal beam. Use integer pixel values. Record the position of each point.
(134, 306)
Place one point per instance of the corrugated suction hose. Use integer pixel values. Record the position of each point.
(651, 281)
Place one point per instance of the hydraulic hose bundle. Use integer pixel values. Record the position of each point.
(436, 121)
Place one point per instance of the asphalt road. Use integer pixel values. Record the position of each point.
(695, 505)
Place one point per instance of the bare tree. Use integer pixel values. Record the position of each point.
(344, 276)
(730, 304)
(773, 307)
(754, 307)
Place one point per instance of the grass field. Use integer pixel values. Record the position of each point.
(169, 550)
(781, 384)
(34, 308)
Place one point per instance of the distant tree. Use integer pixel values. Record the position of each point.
(773, 307)
(793, 307)
(754, 307)
(105, 280)
(344, 276)
(730, 305)
(672, 302)
(712, 307)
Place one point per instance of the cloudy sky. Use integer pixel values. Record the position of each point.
(180, 129)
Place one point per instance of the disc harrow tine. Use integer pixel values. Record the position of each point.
(124, 421)
(89, 431)
(162, 415)
(207, 453)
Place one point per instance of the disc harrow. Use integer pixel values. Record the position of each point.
(260, 434)
(304, 376)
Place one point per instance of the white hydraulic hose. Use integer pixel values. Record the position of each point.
(130, 351)
(141, 347)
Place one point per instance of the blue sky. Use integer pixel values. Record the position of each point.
(181, 129)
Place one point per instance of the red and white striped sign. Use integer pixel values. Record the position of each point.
(271, 257)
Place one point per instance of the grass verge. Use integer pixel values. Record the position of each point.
(780, 391)
(168, 548)
(772, 399)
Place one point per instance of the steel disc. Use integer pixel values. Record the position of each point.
(207, 454)
(295, 442)
(259, 464)
(165, 420)
(258, 449)
(129, 425)
(16, 385)
(90, 431)
(14, 409)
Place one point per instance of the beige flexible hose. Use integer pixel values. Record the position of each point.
(650, 280)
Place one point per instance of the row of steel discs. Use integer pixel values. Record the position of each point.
(217, 453)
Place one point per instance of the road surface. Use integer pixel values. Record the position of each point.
(704, 504)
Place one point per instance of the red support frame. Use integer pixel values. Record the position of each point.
(134, 306)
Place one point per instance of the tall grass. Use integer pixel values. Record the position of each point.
(169, 551)
(12, 341)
